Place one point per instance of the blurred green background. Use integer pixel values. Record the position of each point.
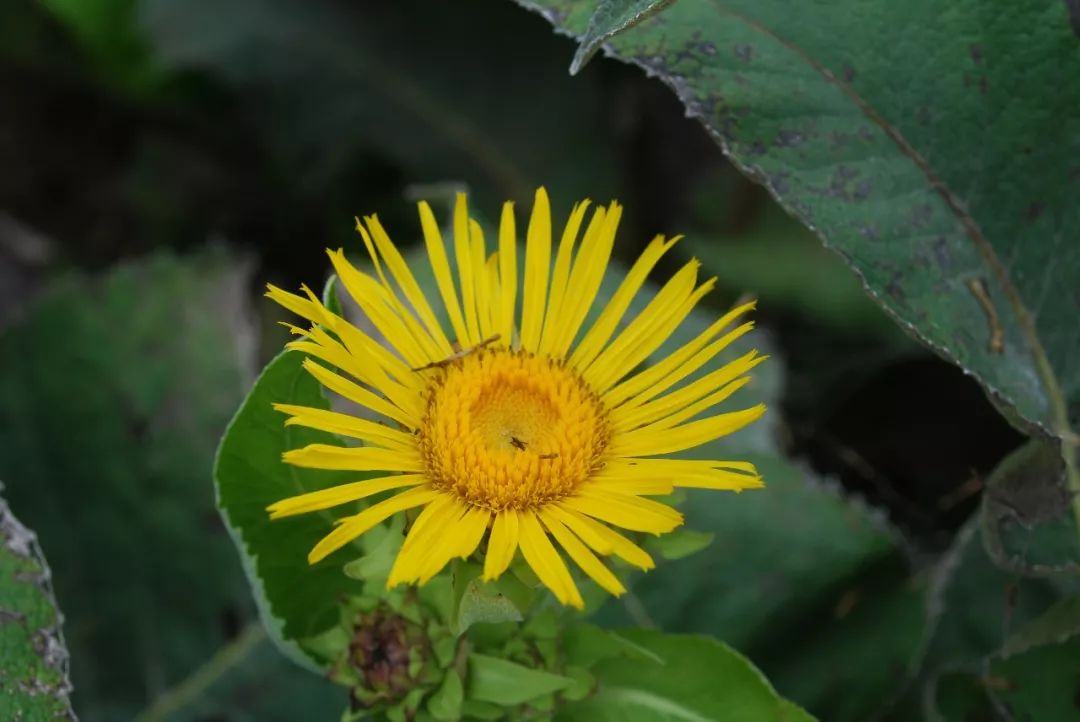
(162, 159)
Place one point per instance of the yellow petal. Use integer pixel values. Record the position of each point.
(589, 269)
(341, 494)
(347, 425)
(431, 347)
(466, 272)
(502, 544)
(441, 267)
(653, 332)
(581, 555)
(354, 526)
(680, 363)
(423, 540)
(670, 296)
(353, 458)
(601, 331)
(405, 279)
(601, 538)
(686, 398)
(625, 510)
(560, 276)
(546, 562)
(377, 305)
(537, 265)
(459, 541)
(647, 442)
(358, 394)
(507, 273)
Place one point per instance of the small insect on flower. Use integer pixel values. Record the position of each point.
(521, 428)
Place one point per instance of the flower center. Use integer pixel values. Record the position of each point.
(508, 430)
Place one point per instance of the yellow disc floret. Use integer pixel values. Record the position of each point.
(509, 430)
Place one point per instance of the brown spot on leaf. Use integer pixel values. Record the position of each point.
(744, 53)
(848, 73)
(976, 53)
(1034, 211)
(981, 291)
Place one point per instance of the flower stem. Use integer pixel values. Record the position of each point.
(196, 683)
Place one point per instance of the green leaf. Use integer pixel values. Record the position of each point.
(1027, 516)
(979, 606)
(382, 543)
(1040, 683)
(799, 556)
(491, 679)
(682, 543)
(1055, 626)
(696, 680)
(585, 645)
(295, 600)
(952, 197)
(610, 18)
(1036, 684)
(330, 297)
(445, 703)
(477, 601)
(33, 655)
(114, 395)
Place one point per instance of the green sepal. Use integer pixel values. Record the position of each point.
(491, 679)
(477, 601)
(445, 703)
(584, 683)
(475, 709)
(382, 548)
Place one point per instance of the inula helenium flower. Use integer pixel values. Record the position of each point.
(518, 426)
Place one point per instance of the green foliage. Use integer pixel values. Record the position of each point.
(610, 18)
(114, 394)
(683, 678)
(34, 686)
(796, 555)
(506, 683)
(296, 600)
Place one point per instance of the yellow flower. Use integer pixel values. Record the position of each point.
(517, 428)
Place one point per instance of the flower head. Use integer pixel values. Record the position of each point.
(521, 428)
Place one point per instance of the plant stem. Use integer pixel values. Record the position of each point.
(196, 683)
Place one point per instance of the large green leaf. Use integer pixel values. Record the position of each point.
(114, 395)
(932, 145)
(684, 679)
(296, 600)
(34, 682)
